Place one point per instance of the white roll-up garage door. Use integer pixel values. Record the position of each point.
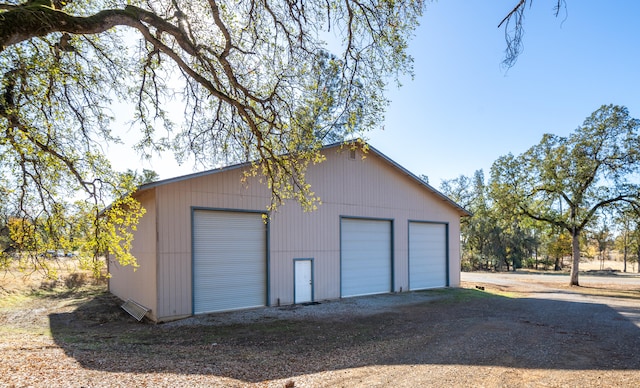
(229, 261)
(427, 255)
(365, 256)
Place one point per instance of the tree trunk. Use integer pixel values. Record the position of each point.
(557, 266)
(575, 248)
(624, 268)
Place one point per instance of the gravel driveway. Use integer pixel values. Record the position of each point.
(521, 330)
(551, 286)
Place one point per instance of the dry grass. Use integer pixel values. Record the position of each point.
(65, 273)
(610, 265)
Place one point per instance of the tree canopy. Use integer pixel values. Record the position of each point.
(256, 78)
(576, 196)
(267, 81)
(566, 181)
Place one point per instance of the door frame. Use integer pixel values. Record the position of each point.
(295, 262)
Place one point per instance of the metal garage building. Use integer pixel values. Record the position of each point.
(204, 246)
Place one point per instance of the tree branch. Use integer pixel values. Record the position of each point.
(32, 21)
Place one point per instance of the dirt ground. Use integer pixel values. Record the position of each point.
(508, 330)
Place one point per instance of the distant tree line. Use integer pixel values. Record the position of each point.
(575, 196)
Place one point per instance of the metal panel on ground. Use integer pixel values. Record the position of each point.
(427, 255)
(365, 256)
(229, 261)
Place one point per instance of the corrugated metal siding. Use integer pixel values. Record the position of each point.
(354, 188)
(174, 250)
(140, 285)
(367, 187)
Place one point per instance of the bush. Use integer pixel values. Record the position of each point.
(75, 280)
(5, 261)
(466, 266)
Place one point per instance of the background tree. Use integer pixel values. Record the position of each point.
(601, 236)
(475, 230)
(140, 178)
(557, 246)
(513, 233)
(6, 245)
(494, 236)
(635, 243)
(622, 243)
(588, 171)
(627, 221)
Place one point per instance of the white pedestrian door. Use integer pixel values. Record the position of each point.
(303, 279)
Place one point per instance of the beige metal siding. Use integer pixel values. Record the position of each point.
(140, 285)
(369, 187)
(174, 251)
(175, 201)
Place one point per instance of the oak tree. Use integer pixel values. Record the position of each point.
(267, 81)
(219, 81)
(565, 181)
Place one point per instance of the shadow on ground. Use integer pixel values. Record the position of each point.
(465, 327)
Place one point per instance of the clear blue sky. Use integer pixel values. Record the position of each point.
(463, 110)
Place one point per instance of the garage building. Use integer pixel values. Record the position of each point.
(204, 245)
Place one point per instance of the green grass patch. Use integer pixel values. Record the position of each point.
(465, 294)
(11, 300)
(459, 295)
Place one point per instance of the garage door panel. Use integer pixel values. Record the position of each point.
(229, 261)
(365, 257)
(427, 255)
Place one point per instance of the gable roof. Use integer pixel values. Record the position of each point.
(370, 149)
(449, 201)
